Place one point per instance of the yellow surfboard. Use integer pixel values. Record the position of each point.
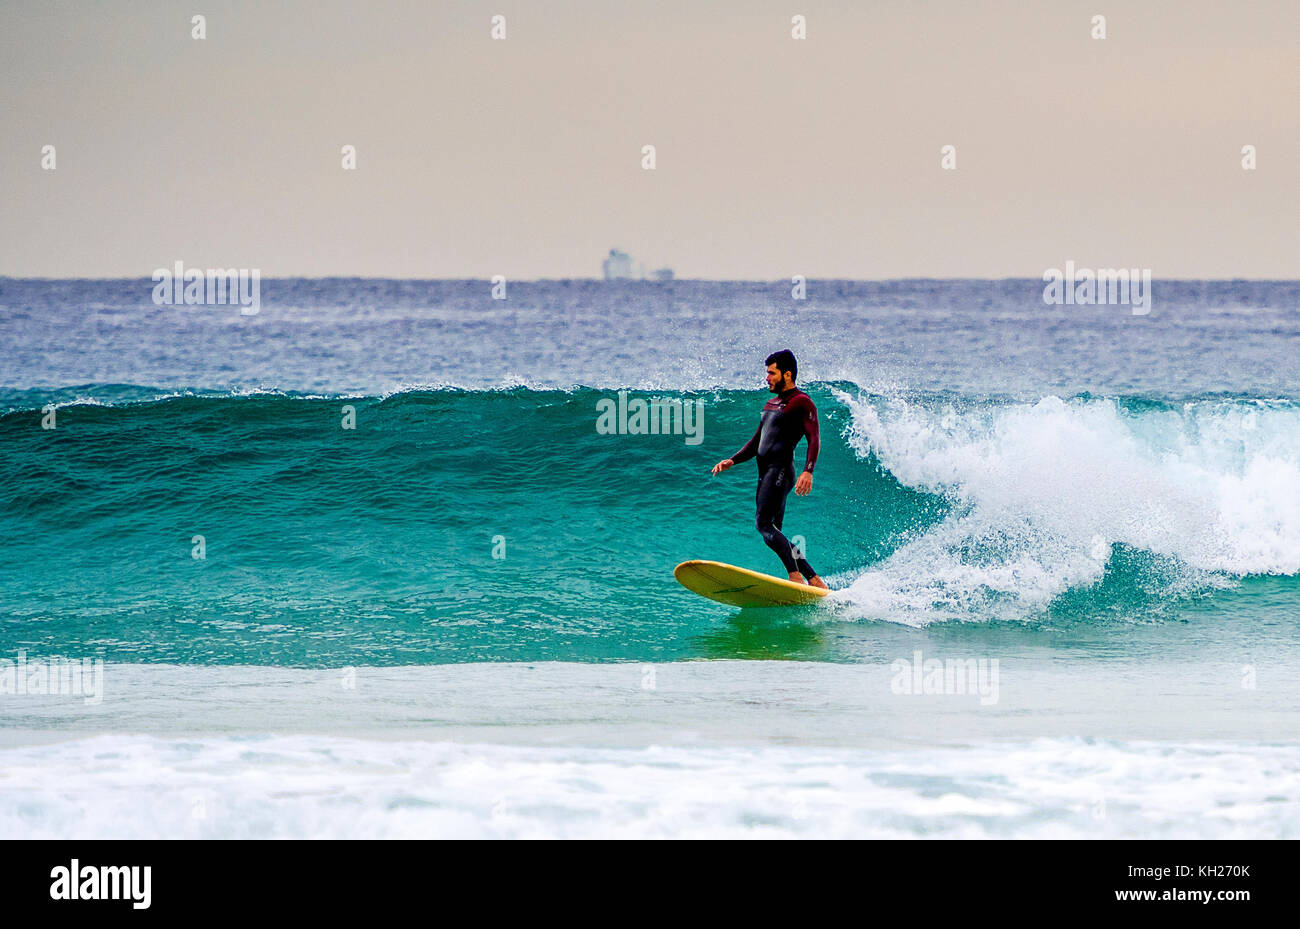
(741, 586)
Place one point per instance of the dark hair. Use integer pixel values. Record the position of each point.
(784, 361)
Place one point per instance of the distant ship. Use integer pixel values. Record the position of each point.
(619, 267)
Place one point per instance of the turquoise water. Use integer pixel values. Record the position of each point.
(376, 545)
(454, 525)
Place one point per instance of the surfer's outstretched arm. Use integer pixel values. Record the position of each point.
(750, 449)
(746, 453)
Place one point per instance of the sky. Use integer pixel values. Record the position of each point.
(774, 156)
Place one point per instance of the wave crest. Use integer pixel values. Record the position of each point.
(1045, 494)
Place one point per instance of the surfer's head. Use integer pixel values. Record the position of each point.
(781, 370)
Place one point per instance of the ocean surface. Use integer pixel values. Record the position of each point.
(368, 562)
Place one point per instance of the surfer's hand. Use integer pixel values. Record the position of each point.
(722, 465)
(803, 486)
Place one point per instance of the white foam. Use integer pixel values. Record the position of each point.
(1042, 492)
(325, 786)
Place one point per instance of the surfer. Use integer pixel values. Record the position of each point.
(787, 418)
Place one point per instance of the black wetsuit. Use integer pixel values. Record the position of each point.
(786, 419)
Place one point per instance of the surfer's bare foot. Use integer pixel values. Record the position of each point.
(816, 581)
(797, 578)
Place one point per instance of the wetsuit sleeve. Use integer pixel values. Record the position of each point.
(750, 449)
(810, 429)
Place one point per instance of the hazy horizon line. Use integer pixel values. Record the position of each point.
(623, 281)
